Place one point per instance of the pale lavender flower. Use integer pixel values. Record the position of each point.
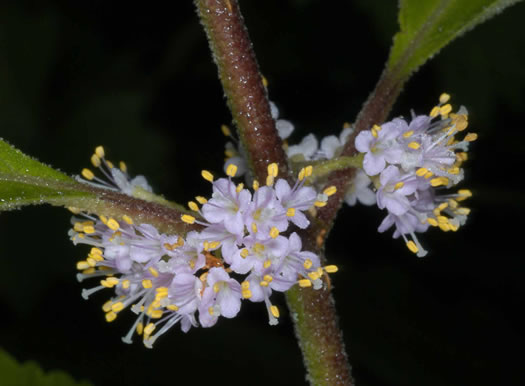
(380, 146)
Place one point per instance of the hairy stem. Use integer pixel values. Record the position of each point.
(314, 313)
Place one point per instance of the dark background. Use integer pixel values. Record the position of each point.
(139, 80)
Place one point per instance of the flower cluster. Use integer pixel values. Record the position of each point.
(410, 163)
(240, 253)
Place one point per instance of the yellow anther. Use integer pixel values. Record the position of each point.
(463, 211)
(330, 191)
(444, 227)
(127, 219)
(87, 174)
(188, 219)
(376, 128)
(110, 164)
(90, 229)
(305, 283)
(91, 261)
(153, 271)
(89, 271)
(99, 151)
(228, 153)
(407, 134)
(399, 185)
(264, 81)
(301, 174)
(454, 170)
(347, 125)
(244, 253)
(112, 280)
(125, 284)
(201, 200)
(217, 286)
(96, 251)
(149, 329)
(274, 232)
(146, 283)
(246, 294)
(273, 169)
(245, 285)
(207, 175)
(96, 257)
(444, 98)
(270, 180)
(320, 204)
(95, 161)
(161, 291)
(307, 263)
(263, 283)
(412, 246)
(231, 170)
(193, 206)
(313, 275)
(226, 131)
(268, 278)
(255, 185)
(432, 221)
(463, 194)
(73, 210)
(428, 174)
(254, 227)
(461, 123)
(113, 224)
(308, 171)
(331, 268)
(156, 314)
(107, 306)
(453, 227)
(470, 137)
(104, 219)
(140, 328)
(275, 311)
(290, 212)
(442, 220)
(438, 181)
(434, 112)
(374, 132)
(211, 311)
(239, 187)
(172, 307)
(443, 206)
(421, 172)
(414, 145)
(78, 227)
(445, 109)
(118, 306)
(111, 316)
(267, 264)
(123, 167)
(81, 265)
(453, 204)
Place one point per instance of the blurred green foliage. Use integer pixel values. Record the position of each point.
(139, 80)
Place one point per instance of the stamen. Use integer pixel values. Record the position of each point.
(188, 219)
(444, 98)
(226, 131)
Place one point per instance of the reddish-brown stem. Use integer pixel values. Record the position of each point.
(242, 83)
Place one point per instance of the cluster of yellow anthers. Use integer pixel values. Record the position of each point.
(98, 160)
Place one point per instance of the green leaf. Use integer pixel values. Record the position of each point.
(428, 25)
(29, 373)
(25, 181)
